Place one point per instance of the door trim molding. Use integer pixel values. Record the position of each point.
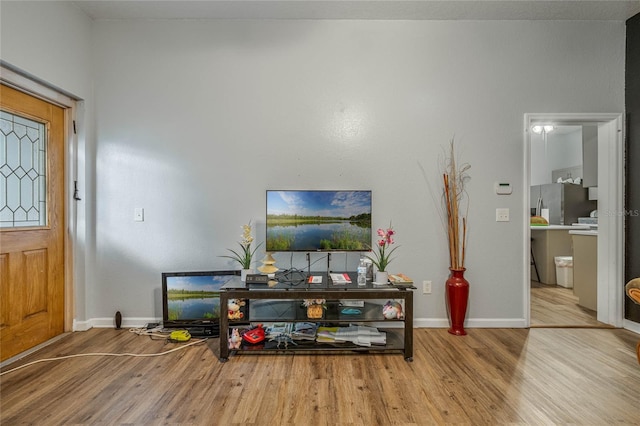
(610, 226)
(34, 86)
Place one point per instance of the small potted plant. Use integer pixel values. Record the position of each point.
(245, 256)
(382, 254)
(315, 307)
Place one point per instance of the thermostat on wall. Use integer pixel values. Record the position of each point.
(503, 188)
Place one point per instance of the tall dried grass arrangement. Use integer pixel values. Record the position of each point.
(456, 206)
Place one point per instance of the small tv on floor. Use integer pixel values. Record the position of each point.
(191, 300)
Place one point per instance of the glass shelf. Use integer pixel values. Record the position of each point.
(284, 304)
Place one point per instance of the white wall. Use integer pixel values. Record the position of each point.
(564, 150)
(51, 41)
(196, 119)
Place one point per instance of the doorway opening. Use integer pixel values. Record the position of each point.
(589, 223)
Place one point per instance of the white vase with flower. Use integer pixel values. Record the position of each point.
(382, 254)
(245, 256)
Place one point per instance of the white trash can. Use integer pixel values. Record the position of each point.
(564, 271)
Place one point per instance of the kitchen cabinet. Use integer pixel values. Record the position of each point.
(566, 202)
(547, 243)
(585, 268)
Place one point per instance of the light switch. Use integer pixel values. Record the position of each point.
(502, 215)
(138, 214)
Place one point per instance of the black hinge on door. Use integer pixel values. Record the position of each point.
(75, 182)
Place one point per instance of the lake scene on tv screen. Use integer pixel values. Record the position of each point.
(318, 220)
(194, 297)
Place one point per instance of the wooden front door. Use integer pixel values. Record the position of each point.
(32, 221)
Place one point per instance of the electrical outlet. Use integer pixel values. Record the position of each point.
(426, 287)
(502, 215)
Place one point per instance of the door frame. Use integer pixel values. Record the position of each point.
(39, 89)
(610, 200)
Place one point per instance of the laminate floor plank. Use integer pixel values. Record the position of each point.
(536, 376)
(556, 306)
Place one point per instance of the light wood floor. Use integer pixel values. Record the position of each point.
(556, 306)
(491, 376)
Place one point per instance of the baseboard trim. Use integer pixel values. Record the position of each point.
(471, 323)
(631, 326)
(132, 322)
(81, 325)
(135, 322)
(32, 350)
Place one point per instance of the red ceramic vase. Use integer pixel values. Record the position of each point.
(457, 297)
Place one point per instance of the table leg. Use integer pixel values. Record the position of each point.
(408, 326)
(224, 327)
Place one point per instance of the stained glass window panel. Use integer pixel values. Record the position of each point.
(23, 150)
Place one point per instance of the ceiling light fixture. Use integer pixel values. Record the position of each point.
(538, 129)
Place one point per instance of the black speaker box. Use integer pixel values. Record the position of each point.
(257, 279)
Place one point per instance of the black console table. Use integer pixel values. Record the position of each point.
(281, 301)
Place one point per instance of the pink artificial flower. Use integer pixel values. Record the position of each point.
(382, 257)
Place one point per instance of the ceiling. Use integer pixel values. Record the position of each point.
(617, 10)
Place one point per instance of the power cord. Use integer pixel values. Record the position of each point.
(151, 332)
(292, 277)
(139, 331)
(295, 276)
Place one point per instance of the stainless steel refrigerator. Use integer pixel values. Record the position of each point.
(566, 202)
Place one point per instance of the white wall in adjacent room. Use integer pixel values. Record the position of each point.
(563, 150)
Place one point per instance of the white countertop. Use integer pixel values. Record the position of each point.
(560, 228)
(591, 233)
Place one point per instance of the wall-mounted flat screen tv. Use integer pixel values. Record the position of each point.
(318, 220)
(192, 299)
